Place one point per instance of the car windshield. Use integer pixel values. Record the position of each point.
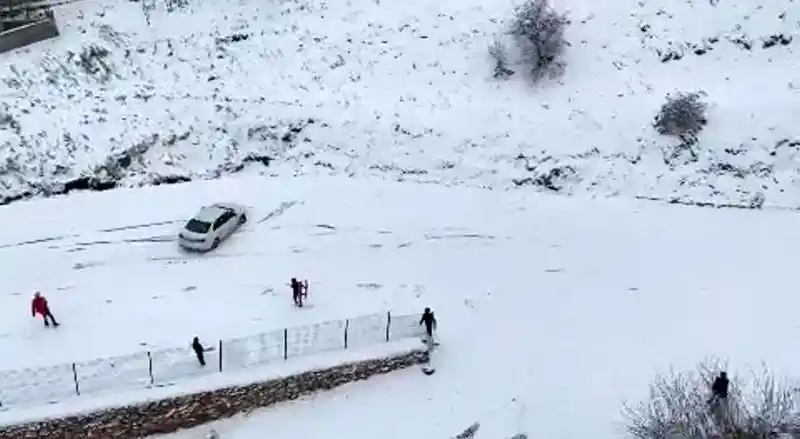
(197, 226)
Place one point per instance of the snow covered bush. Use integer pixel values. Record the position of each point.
(499, 53)
(678, 407)
(682, 115)
(538, 30)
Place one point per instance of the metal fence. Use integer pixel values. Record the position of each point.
(44, 385)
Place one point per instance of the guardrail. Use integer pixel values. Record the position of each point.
(45, 385)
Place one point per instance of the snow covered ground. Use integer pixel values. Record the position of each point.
(134, 93)
(110, 262)
(566, 304)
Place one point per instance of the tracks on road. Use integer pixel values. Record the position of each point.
(275, 213)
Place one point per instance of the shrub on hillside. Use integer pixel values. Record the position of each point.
(538, 31)
(499, 53)
(678, 407)
(682, 115)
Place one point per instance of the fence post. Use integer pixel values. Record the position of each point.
(388, 324)
(150, 367)
(285, 343)
(220, 355)
(75, 378)
(346, 327)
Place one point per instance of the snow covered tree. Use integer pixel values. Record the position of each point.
(679, 407)
(538, 30)
(682, 115)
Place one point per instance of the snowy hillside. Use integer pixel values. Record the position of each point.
(152, 92)
(567, 305)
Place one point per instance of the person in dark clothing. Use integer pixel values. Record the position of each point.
(720, 386)
(719, 389)
(199, 350)
(297, 292)
(429, 320)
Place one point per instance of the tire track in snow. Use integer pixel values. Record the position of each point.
(280, 210)
(78, 235)
(179, 258)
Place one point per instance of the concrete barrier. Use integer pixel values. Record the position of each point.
(16, 34)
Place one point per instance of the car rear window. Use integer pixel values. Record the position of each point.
(197, 226)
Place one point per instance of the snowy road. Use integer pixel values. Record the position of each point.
(564, 303)
(116, 279)
(569, 305)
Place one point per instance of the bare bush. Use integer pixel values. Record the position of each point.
(678, 407)
(469, 432)
(539, 31)
(682, 115)
(499, 53)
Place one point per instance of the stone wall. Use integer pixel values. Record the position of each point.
(172, 414)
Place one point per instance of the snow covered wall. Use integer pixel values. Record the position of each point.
(161, 91)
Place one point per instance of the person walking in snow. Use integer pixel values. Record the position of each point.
(296, 292)
(199, 351)
(429, 320)
(40, 306)
(299, 291)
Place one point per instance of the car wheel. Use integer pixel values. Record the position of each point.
(243, 219)
(215, 244)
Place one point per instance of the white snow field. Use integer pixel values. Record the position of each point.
(565, 304)
(119, 285)
(552, 311)
(133, 93)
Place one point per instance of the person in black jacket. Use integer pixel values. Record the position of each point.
(297, 292)
(199, 350)
(719, 389)
(429, 320)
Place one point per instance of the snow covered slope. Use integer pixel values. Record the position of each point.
(151, 91)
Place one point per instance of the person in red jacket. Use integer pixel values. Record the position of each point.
(39, 306)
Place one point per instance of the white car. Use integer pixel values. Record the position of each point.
(211, 226)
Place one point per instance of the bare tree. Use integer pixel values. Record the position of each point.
(682, 115)
(678, 407)
(539, 31)
(499, 53)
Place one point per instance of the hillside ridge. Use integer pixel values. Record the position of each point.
(147, 92)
